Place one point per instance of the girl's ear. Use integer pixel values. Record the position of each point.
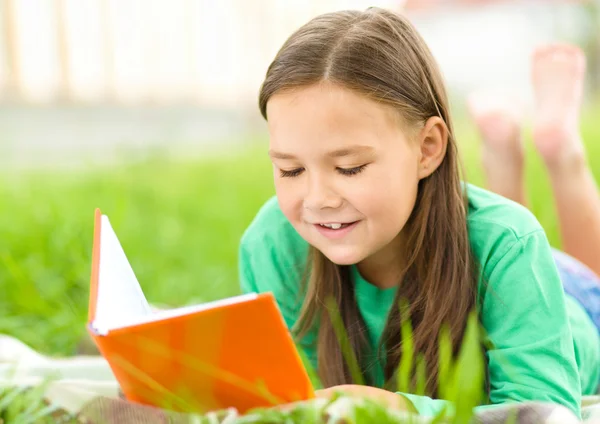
(433, 141)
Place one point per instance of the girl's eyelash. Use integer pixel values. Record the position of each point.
(292, 173)
(351, 171)
(343, 171)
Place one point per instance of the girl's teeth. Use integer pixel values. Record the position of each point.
(332, 226)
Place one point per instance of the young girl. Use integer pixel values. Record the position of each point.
(370, 209)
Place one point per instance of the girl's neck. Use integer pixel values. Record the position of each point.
(384, 268)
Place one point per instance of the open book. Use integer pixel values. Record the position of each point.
(235, 352)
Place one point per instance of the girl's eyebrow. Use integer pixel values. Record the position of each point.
(345, 151)
(280, 155)
(351, 150)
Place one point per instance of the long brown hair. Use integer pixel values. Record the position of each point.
(378, 53)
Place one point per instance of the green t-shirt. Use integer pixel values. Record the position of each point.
(524, 310)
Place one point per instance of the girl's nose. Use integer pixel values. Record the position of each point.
(321, 195)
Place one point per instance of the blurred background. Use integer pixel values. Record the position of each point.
(148, 110)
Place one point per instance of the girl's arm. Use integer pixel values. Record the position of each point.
(523, 312)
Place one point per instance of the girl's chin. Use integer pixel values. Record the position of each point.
(341, 257)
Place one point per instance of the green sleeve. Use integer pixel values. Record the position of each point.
(524, 315)
(247, 281)
(273, 264)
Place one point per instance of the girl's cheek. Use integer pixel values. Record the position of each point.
(367, 194)
(289, 205)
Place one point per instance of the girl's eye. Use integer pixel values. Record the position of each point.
(292, 173)
(351, 171)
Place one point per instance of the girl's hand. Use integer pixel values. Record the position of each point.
(392, 400)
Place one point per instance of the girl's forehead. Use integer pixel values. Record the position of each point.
(324, 94)
(328, 109)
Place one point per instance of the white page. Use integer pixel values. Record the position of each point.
(120, 298)
(185, 310)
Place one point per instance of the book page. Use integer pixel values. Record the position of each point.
(120, 298)
(184, 310)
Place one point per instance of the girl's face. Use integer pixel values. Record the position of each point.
(346, 173)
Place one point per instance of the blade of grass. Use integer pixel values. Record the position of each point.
(469, 372)
(420, 373)
(310, 370)
(7, 399)
(34, 398)
(344, 341)
(445, 364)
(406, 360)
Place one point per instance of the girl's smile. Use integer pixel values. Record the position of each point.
(336, 231)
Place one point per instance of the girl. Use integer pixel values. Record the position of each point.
(370, 209)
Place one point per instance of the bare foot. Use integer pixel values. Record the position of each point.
(502, 151)
(558, 72)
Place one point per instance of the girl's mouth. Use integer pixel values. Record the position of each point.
(335, 226)
(335, 230)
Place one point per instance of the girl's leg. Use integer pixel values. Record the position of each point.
(502, 149)
(557, 75)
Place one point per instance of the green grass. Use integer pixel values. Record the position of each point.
(178, 221)
(179, 224)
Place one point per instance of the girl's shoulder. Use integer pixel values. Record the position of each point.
(271, 226)
(271, 241)
(496, 225)
(491, 214)
(272, 258)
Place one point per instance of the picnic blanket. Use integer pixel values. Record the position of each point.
(84, 386)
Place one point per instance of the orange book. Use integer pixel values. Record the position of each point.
(235, 352)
